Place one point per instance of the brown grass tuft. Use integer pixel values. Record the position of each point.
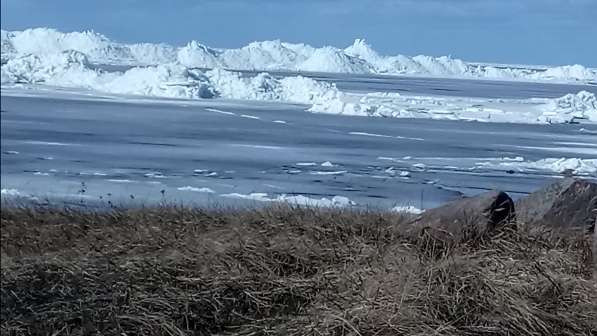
(281, 271)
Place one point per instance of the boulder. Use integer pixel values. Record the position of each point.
(569, 204)
(465, 218)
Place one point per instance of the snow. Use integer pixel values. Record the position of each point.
(420, 166)
(362, 50)
(273, 55)
(328, 59)
(48, 143)
(384, 136)
(408, 209)
(72, 69)
(571, 107)
(121, 181)
(99, 48)
(195, 189)
(233, 85)
(339, 172)
(263, 86)
(169, 80)
(266, 55)
(10, 193)
(47, 57)
(518, 164)
(574, 107)
(43, 41)
(370, 134)
(336, 201)
(67, 68)
(574, 72)
(249, 116)
(576, 166)
(442, 66)
(195, 55)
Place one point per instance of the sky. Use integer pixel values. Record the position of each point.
(547, 32)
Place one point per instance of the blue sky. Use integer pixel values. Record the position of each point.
(507, 31)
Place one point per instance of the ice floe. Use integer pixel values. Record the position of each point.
(195, 189)
(571, 108)
(409, 209)
(336, 201)
(574, 166)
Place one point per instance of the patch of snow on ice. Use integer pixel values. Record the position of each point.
(257, 146)
(121, 181)
(370, 134)
(586, 131)
(220, 111)
(558, 165)
(571, 107)
(340, 172)
(336, 201)
(408, 209)
(578, 107)
(48, 143)
(249, 116)
(195, 189)
(10, 193)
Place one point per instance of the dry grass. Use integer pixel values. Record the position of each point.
(281, 271)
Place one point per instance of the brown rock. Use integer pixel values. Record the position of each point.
(465, 218)
(566, 204)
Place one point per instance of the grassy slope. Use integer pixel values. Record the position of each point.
(282, 271)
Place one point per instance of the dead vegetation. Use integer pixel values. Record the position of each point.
(282, 271)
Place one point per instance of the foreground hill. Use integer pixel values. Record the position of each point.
(283, 271)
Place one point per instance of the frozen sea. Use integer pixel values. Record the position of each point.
(84, 148)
